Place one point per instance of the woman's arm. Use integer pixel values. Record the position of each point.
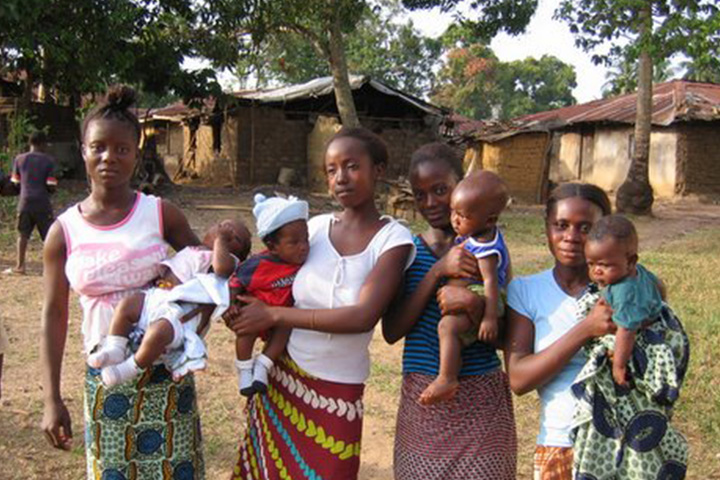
(528, 370)
(374, 298)
(404, 311)
(56, 423)
(176, 228)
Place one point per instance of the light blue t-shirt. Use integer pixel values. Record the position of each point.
(553, 312)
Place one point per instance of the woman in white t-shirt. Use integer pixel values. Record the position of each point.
(544, 338)
(310, 422)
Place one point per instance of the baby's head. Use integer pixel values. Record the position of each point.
(282, 226)
(477, 202)
(239, 237)
(611, 250)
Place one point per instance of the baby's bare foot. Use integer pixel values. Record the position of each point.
(440, 390)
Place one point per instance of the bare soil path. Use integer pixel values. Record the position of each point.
(25, 455)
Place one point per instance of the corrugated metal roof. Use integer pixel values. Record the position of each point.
(175, 112)
(675, 101)
(322, 86)
(313, 89)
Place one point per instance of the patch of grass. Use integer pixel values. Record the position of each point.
(386, 377)
(689, 267)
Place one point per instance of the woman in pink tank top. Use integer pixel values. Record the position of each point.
(105, 247)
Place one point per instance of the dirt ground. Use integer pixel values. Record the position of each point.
(24, 453)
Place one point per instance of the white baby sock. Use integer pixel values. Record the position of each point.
(112, 352)
(263, 364)
(122, 372)
(245, 376)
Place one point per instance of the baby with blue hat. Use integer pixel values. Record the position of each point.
(268, 276)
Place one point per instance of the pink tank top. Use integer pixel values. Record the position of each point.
(107, 263)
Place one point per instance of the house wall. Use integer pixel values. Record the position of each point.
(169, 138)
(324, 129)
(602, 156)
(608, 166)
(402, 140)
(213, 166)
(566, 165)
(282, 142)
(520, 161)
(698, 153)
(267, 142)
(263, 140)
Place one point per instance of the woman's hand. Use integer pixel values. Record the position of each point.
(458, 263)
(253, 316)
(56, 425)
(599, 320)
(454, 299)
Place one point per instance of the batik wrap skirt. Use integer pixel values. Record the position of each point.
(145, 429)
(302, 428)
(625, 432)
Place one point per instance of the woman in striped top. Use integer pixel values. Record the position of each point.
(472, 435)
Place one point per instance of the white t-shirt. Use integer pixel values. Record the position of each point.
(330, 280)
(553, 312)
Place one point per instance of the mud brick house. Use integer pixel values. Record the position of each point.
(165, 126)
(259, 136)
(594, 142)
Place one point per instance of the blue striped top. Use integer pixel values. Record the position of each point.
(422, 352)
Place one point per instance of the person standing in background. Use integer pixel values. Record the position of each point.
(33, 173)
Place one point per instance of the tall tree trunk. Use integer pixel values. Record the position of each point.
(635, 195)
(341, 80)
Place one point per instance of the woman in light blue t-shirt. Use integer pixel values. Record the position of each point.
(544, 336)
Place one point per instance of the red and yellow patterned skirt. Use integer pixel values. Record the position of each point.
(303, 428)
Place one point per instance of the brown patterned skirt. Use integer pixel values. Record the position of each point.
(470, 436)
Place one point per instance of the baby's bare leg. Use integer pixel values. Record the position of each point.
(277, 342)
(125, 318)
(127, 315)
(244, 346)
(159, 335)
(624, 343)
(445, 385)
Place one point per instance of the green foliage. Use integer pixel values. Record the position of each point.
(5, 163)
(20, 127)
(260, 20)
(468, 82)
(622, 75)
(396, 54)
(535, 85)
(476, 84)
(702, 62)
(489, 17)
(610, 28)
(81, 46)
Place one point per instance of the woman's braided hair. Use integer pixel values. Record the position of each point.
(116, 106)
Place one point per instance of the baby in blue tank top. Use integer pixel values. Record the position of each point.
(476, 203)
